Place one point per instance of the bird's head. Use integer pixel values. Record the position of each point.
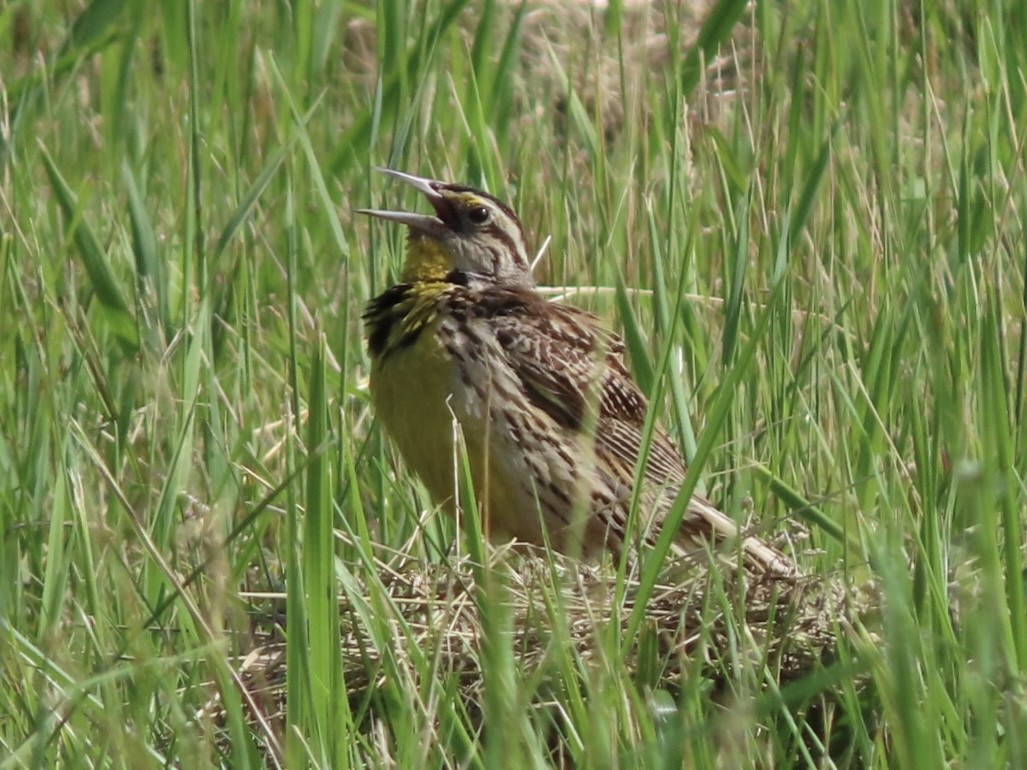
(470, 232)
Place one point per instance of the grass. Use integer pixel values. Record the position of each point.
(809, 227)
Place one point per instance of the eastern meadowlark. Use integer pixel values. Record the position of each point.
(550, 417)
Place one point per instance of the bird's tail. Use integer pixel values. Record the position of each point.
(705, 527)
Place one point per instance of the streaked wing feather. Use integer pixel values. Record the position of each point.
(558, 352)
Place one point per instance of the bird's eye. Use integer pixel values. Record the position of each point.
(479, 215)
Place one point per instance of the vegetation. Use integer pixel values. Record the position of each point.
(807, 219)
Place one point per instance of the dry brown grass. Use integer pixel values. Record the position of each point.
(698, 622)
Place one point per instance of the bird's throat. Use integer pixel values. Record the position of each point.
(426, 260)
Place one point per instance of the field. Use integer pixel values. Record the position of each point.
(807, 219)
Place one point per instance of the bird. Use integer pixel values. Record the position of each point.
(465, 351)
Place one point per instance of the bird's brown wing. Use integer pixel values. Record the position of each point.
(573, 369)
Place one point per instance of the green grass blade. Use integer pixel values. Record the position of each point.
(151, 282)
(719, 23)
(319, 580)
(95, 261)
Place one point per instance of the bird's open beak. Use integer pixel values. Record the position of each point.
(422, 222)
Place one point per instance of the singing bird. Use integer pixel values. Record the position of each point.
(550, 417)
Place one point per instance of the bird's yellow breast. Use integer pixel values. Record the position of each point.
(411, 390)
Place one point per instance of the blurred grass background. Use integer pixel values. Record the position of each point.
(808, 214)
